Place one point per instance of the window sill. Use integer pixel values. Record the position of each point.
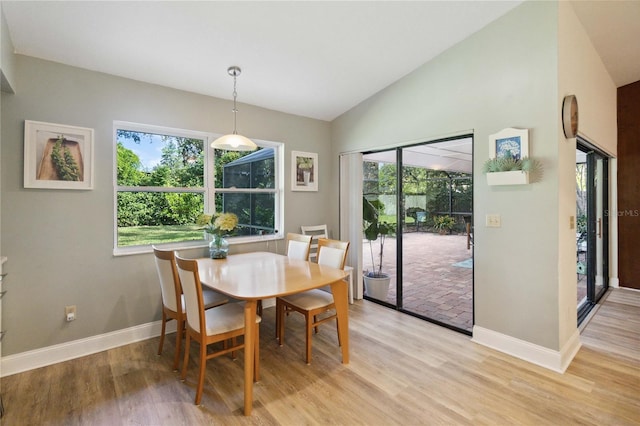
(187, 245)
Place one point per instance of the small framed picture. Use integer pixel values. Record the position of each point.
(57, 156)
(304, 171)
(509, 142)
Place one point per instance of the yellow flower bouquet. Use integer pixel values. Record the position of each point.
(219, 226)
(222, 224)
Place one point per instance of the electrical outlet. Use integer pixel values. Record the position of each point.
(493, 221)
(70, 312)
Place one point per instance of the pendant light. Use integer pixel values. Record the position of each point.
(234, 141)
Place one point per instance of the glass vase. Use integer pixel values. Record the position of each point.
(218, 247)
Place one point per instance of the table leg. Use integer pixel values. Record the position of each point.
(250, 307)
(340, 299)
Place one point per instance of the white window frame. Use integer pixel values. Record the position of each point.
(209, 190)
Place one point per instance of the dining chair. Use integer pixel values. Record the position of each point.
(316, 232)
(209, 326)
(313, 303)
(298, 247)
(173, 299)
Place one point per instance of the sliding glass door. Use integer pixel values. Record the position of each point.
(425, 191)
(592, 227)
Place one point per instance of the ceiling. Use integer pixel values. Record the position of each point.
(451, 156)
(314, 59)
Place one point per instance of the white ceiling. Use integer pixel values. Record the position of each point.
(315, 59)
(451, 156)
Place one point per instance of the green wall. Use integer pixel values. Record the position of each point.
(60, 243)
(506, 75)
(503, 76)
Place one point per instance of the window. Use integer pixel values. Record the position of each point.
(167, 179)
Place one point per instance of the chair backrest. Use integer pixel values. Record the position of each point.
(332, 252)
(192, 289)
(298, 246)
(316, 232)
(169, 280)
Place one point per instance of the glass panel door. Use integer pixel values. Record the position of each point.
(380, 213)
(592, 227)
(425, 193)
(437, 254)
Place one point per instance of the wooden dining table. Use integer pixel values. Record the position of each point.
(262, 275)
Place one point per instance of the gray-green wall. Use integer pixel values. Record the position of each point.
(512, 73)
(59, 243)
(506, 75)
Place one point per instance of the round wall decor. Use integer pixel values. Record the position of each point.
(570, 116)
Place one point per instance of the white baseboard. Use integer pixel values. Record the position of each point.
(42, 357)
(535, 354)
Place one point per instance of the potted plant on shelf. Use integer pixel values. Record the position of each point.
(376, 282)
(444, 224)
(509, 170)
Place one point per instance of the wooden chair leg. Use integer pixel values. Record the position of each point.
(309, 330)
(278, 306)
(281, 325)
(338, 331)
(315, 319)
(187, 344)
(256, 355)
(234, 354)
(176, 357)
(164, 327)
(203, 364)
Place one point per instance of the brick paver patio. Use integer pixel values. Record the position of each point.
(432, 286)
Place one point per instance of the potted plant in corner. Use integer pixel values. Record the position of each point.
(376, 282)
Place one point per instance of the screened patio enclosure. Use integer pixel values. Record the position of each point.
(249, 186)
(431, 265)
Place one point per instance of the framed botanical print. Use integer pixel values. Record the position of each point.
(57, 156)
(304, 171)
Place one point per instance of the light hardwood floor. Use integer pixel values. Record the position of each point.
(402, 371)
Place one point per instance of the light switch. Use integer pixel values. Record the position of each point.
(572, 222)
(493, 221)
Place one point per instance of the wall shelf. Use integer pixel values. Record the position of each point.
(517, 177)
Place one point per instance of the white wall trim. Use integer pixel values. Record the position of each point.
(535, 354)
(42, 357)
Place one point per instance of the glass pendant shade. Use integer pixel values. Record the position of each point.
(234, 142)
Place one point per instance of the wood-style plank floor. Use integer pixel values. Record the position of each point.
(403, 371)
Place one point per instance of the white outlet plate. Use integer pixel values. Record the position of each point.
(493, 221)
(70, 312)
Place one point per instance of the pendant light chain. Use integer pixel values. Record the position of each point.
(234, 141)
(235, 109)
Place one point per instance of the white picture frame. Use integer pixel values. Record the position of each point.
(304, 171)
(74, 152)
(509, 142)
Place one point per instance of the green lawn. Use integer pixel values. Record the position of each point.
(387, 218)
(141, 235)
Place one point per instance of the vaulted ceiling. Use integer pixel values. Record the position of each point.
(314, 59)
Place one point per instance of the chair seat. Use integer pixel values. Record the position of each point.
(211, 298)
(225, 318)
(309, 300)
